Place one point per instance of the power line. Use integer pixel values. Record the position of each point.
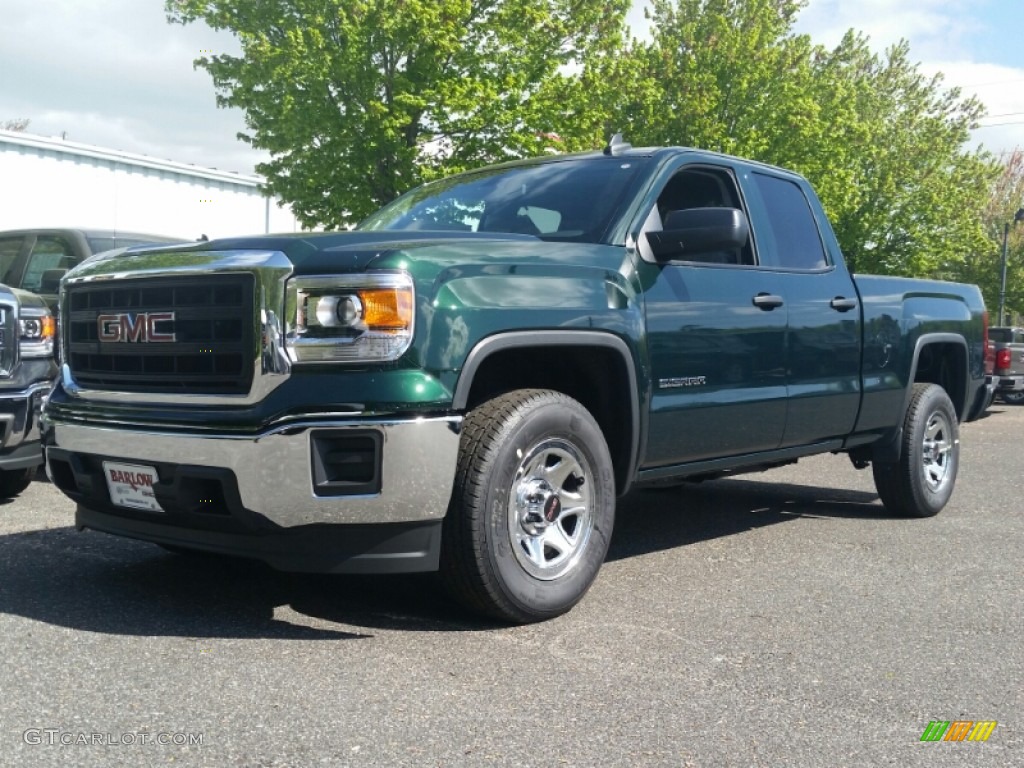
(994, 82)
(1004, 114)
(997, 125)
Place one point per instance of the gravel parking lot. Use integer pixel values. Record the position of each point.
(781, 619)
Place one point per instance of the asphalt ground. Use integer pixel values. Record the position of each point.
(779, 619)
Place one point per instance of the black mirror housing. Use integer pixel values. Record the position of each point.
(696, 231)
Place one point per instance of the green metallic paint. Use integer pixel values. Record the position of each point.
(802, 374)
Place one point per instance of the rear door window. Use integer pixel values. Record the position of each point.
(798, 242)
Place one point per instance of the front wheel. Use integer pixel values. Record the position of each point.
(532, 508)
(920, 483)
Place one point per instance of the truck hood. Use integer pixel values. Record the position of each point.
(26, 298)
(341, 252)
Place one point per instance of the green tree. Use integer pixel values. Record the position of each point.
(882, 143)
(904, 192)
(984, 266)
(358, 100)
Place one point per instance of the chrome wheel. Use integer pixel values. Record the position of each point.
(550, 509)
(532, 509)
(935, 453)
(920, 481)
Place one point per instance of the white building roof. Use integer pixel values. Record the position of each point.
(72, 148)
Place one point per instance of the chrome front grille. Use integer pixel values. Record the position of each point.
(9, 334)
(186, 334)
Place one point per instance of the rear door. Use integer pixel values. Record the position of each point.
(716, 336)
(823, 364)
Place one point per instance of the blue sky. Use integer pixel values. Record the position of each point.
(115, 74)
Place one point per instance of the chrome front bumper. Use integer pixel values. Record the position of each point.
(273, 469)
(19, 426)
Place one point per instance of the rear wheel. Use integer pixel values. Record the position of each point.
(14, 481)
(920, 483)
(1013, 398)
(532, 508)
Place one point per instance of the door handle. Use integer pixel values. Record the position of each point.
(767, 301)
(843, 304)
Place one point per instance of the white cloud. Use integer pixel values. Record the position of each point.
(940, 36)
(933, 27)
(636, 20)
(1000, 89)
(116, 74)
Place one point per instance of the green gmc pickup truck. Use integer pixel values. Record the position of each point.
(468, 380)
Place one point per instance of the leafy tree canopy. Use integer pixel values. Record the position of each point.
(17, 125)
(983, 266)
(882, 143)
(358, 100)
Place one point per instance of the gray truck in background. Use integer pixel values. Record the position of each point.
(1008, 372)
(36, 259)
(27, 371)
(32, 263)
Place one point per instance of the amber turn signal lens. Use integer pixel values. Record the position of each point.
(387, 309)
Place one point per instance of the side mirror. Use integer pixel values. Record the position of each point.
(49, 281)
(696, 231)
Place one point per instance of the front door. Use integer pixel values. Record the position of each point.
(716, 339)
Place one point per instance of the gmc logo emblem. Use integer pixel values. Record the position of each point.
(140, 327)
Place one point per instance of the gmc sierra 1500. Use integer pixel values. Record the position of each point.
(469, 379)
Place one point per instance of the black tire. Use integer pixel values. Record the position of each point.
(921, 482)
(14, 481)
(522, 540)
(1013, 398)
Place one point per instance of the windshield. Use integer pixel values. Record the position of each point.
(562, 200)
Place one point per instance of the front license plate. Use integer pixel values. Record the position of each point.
(131, 485)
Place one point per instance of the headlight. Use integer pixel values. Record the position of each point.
(350, 318)
(37, 329)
